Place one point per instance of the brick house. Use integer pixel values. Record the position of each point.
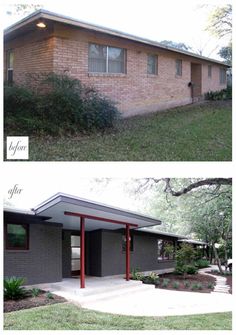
(139, 74)
(66, 236)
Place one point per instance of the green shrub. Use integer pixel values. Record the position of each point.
(165, 282)
(49, 295)
(190, 269)
(13, 289)
(175, 285)
(35, 292)
(224, 94)
(186, 284)
(152, 278)
(210, 285)
(135, 275)
(185, 256)
(194, 286)
(62, 106)
(199, 286)
(202, 263)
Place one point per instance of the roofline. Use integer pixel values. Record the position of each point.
(18, 210)
(42, 13)
(158, 232)
(89, 203)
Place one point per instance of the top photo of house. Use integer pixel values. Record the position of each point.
(93, 93)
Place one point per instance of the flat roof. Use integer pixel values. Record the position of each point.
(159, 232)
(48, 15)
(56, 206)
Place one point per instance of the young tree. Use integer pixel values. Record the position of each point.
(220, 21)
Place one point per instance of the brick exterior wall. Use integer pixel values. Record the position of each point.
(42, 263)
(64, 49)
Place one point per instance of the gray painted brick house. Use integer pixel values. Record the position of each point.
(49, 243)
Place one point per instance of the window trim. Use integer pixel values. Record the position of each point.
(25, 248)
(156, 65)
(181, 68)
(107, 60)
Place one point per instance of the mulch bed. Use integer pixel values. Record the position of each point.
(204, 280)
(30, 302)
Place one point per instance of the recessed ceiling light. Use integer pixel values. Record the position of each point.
(41, 24)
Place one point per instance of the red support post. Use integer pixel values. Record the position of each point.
(127, 252)
(82, 253)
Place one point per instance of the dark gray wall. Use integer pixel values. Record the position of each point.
(42, 263)
(66, 254)
(143, 257)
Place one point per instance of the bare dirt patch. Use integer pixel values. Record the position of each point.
(30, 302)
(191, 283)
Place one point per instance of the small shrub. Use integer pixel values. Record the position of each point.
(186, 284)
(199, 286)
(210, 285)
(165, 282)
(202, 263)
(35, 292)
(175, 285)
(190, 269)
(135, 275)
(194, 286)
(49, 295)
(152, 278)
(13, 289)
(224, 94)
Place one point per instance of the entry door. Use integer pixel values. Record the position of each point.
(75, 255)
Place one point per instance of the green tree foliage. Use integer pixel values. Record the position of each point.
(177, 45)
(226, 54)
(22, 9)
(185, 257)
(220, 21)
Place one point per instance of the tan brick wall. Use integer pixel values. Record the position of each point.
(65, 50)
(213, 83)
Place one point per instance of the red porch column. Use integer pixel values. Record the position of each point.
(82, 253)
(127, 252)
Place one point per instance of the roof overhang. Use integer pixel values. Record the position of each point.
(186, 240)
(28, 24)
(97, 215)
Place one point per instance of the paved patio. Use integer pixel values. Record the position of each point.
(115, 295)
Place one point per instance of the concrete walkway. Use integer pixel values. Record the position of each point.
(115, 295)
(221, 286)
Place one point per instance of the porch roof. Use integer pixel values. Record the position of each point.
(96, 214)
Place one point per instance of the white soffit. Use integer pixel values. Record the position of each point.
(56, 206)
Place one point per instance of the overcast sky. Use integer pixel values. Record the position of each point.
(180, 21)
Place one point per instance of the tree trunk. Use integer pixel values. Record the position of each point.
(217, 259)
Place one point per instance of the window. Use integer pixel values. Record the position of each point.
(106, 59)
(10, 60)
(152, 64)
(165, 250)
(209, 71)
(17, 237)
(178, 66)
(222, 76)
(131, 244)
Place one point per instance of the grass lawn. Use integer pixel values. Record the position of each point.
(67, 316)
(191, 133)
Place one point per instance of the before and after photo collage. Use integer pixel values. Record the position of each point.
(117, 166)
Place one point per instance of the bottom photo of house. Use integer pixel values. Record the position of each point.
(153, 253)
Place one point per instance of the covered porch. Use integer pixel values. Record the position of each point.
(83, 217)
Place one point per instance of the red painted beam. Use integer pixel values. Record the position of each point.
(82, 253)
(127, 252)
(99, 218)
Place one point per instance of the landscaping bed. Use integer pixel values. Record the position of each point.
(29, 301)
(196, 282)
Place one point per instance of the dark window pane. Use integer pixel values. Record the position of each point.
(16, 236)
(209, 71)
(165, 250)
(97, 58)
(152, 64)
(222, 76)
(116, 60)
(178, 67)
